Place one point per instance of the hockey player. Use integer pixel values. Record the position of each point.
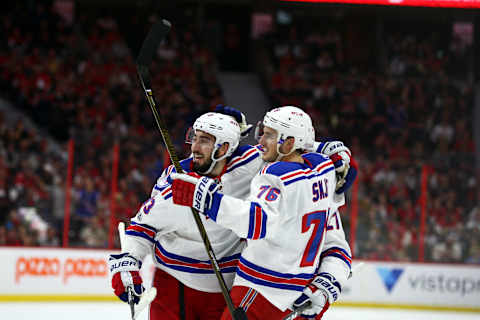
(183, 274)
(296, 249)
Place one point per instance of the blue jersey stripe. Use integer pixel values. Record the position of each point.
(244, 162)
(268, 283)
(307, 276)
(264, 225)
(191, 260)
(139, 234)
(251, 224)
(310, 176)
(146, 226)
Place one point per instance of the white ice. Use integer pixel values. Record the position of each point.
(120, 311)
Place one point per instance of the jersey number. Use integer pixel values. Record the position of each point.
(271, 195)
(147, 205)
(318, 219)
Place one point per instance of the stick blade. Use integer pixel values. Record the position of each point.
(121, 233)
(156, 34)
(146, 298)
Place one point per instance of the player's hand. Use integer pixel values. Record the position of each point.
(193, 191)
(345, 166)
(124, 270)
(321, 292)
(239, 117)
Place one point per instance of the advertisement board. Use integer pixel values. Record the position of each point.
(420, 285)
(57, 274)
(36, 274)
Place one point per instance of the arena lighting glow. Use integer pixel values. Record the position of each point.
(469, 4)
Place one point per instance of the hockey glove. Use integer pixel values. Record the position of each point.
(124, 270)
(321, 292)
(190, 191)
(239, 117)
(345, 165)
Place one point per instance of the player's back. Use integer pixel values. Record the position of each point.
(286, 259)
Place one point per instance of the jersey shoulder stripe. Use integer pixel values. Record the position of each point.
(315, 158)
(290, 172)
(166, 181)
(281, 168)
(240, 151)
(186, 264)
(167, 193)
(242, 156)
(185, 164)
(320, 170)
(141, 230)
(266, 277)
(340, 253)
(165, 190)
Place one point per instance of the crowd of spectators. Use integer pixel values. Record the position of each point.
(79, 81)
(398, 117)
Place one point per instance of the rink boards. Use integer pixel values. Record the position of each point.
(32, 274)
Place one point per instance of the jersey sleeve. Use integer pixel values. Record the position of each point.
(258, 216)
(336, 257)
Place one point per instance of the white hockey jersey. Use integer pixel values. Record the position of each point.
(293, 229)
(171, 234)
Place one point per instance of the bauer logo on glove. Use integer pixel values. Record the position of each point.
(124, 269)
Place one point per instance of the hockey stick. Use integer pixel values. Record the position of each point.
(157, 33)
(146, 297)
(298, 311)
(121, 235)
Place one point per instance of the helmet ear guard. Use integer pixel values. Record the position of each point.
(189, 135)
(259, 131)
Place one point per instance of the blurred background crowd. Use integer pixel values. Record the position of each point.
(402, 98)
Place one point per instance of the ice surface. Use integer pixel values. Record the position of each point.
(120, 311)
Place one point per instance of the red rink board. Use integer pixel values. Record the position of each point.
(471, 4)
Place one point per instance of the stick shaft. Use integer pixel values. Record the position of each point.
(143, 73)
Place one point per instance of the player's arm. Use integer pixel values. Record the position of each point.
(336, 256)
(125, 267)
(335, 267)
(140, 235)
(256, 217)
(345, 165)
(164, 181)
